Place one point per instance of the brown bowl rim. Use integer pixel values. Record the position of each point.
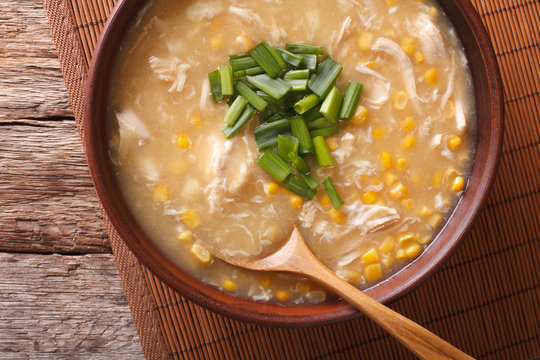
(410, 277)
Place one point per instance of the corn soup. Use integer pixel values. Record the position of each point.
(400, 163)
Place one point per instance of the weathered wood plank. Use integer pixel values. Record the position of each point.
(64, 307)
(31, 85)
(47, 200)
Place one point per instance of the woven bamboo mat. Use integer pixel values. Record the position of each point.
(485, 300)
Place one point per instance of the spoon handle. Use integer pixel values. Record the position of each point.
(419, 340)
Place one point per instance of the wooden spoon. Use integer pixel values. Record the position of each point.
(295, 257)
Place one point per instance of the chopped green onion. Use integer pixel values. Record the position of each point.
(230, 131)
(250, 95)
(291, 58)
(242, 63)
(239, 74)
(300, 131)
(324, 132)
(296, 74)
(266, 60)
(276, 88)
(254, 71)
(297, 84)
(310, 61)
(235, 110)
(299, 187)
(305, 49)
(322, 154)
(266, 135)
(320, 123)
(226, 77)
(231, 100)
(269, 99)
(312, 114)
(332, 193)
(327, 73)
(274, 165)
(306, 103)
(285, 145)
(352, 95)
(298, 163)
(310, 181)
(215, 85)
(331, 104)
(276, 55)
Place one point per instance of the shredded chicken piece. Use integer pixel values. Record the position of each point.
(170, 71)
(205, 10)
(450, 86)
(436, 141)
(378, 92)
(430, 40)
(130, 129)
(205, 95)
(371, 218)
(345, 149)
(248, 16)
(461, 122)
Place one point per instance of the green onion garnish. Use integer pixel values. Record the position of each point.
(325, 132)
(235, 110)
(226, 77)
(276, 88)
(247, 114)
(298, 163)
(306, 103)
(331, 104)
(274, 165)
(327, 73)
(332, 193)
(266, 60)
(250, 95)
(305, 49)
(300, 131)
(297, 84)
(312, 114)
(322, 154)
(215, 86)
(286, 144)
(276, 56)
(266, 135)
(291, 58)
(352, 95)
(310, 181)
(296, 74)
(242, 63)
(310, 61)
(269, 99)
(299, 187)
(254, 71)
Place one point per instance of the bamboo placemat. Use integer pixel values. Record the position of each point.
(485, 300)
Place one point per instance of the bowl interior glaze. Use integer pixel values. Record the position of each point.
(489, 105)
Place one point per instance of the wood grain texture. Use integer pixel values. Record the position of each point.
(64, 307)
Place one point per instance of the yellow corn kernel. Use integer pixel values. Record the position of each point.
(266, 281)
(385, 160)
(216, 42)
(450, 174)
(408, 142)
(195, 120)
(365, 40)
(161, 193)
(399, 191)
(407, 44)
(304, 286)
(245, 41)
(372, 272)
(325, 200)
(283, 295)
(331, 142)
(401, 163)
(296, 201)
(408, 124)
(412, 251)
(369, 64)
(388, 261)
(229, 285)
(418, 57)
(437, 178)
(400, 254)
(407, 204)
(337, 216)
(406, 238)
(425, 211)
(370, 256)
(454, 142)
(449, 109)
(271, 188)
(433, 11)
(435, 220)
(185, 235)
(401, 99)
(349, 275)
(390, 2)
(432, 76)
(361, 116)
(388, 245)
(201, 253)
(378, 133)
(423, 240)
(178, 167)
(183, 141)
(389, 178)
(370, 197)
(191, 218)
(458, 184)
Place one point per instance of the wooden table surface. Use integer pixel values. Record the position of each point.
(60, 293)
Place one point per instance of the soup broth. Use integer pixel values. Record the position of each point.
(401, 162)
